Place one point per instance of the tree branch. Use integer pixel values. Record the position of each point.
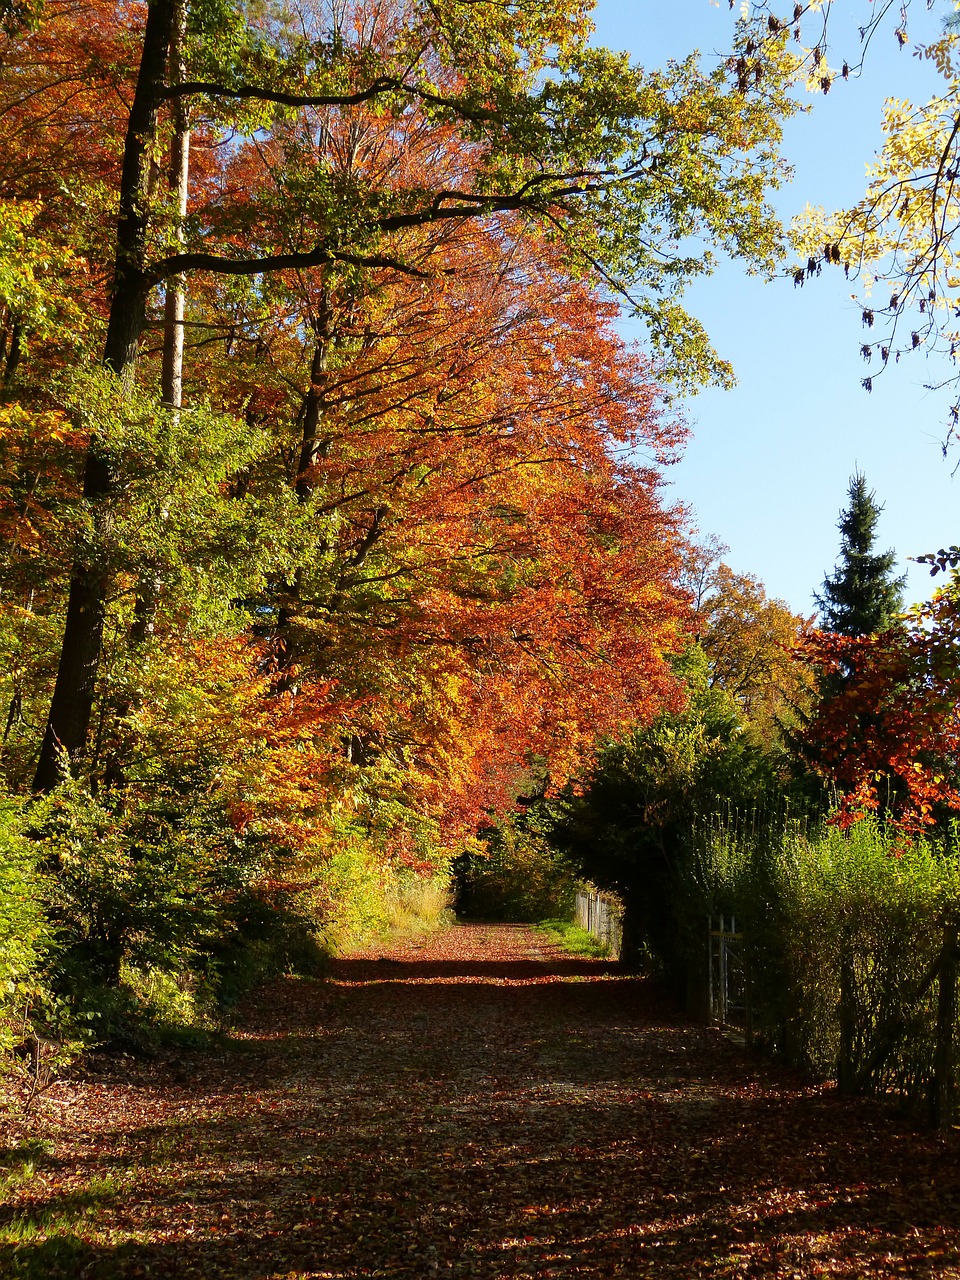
(180, 263)
(384, 84)
(210, 89)
(479, 206)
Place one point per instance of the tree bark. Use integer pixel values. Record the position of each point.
(312, 447)
(175, 301)
(150, 583)
(632, 937)
(311, 441)
(69, 720)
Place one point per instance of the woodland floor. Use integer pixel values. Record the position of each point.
(476, 1106)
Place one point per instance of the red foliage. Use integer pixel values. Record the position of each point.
(896, 714)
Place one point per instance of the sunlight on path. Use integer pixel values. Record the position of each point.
(478, 1105)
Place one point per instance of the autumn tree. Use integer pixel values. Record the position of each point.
(750, 642)
(428, 521)
(894, 717)
(476, 532)
(614, 164)
(899, 241)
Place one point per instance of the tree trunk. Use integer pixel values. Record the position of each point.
(70, 710)
(311, 441)
(632, 937)
(150, 584)
(174, 306)
(312, 446)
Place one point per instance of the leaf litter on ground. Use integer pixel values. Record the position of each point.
(480, 1105)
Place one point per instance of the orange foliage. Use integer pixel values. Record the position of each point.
(751, 643)
(483, 571)
(214, 720)
(497, 577)
(63, 112)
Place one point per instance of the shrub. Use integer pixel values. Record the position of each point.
(518, 877)
(843, 931)
(25, 934)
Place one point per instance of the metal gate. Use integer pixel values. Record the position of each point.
(727, 978)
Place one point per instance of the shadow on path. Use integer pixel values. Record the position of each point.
(482, 1107)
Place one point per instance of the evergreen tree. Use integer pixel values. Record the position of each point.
(860, 597)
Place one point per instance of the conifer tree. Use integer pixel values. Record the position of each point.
(860, 597)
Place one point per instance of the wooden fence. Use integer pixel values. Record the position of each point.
(601, 915)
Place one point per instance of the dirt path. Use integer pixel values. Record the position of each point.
(478, 1106)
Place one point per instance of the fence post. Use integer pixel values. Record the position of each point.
(944, 1059)
(846, 1075)
(710, 1018)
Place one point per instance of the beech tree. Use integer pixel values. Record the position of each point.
(750, 642)
(477, 567)
(617, 166)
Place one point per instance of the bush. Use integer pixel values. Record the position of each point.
(519, 877)
(843, 931)
(361, 892)
(26, 938)
(40, 1031)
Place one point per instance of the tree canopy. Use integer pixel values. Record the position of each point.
(897, 243)
(335, 149)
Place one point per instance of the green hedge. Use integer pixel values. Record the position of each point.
(843, 933)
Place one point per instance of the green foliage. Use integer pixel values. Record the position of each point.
(26, 937)
(516, 876)
(178, 516)
(360, 891)
(841, 927)
(633, 827)
(36, 1021)
(161, 910)
(17, 16)
(145, 884)
(860, 597)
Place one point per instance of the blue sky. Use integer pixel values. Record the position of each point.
(768, 464)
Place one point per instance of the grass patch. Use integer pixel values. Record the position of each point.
(574, 940)
(59, 1238)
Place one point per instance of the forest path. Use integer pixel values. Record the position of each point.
(477, 1105)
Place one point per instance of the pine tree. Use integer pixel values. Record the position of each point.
(860, 597)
